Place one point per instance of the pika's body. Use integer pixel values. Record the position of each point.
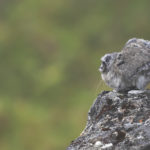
(128, 69)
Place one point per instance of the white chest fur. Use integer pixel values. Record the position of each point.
(112, 80)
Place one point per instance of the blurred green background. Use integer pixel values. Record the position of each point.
(49, 60)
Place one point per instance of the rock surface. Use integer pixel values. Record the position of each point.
(117, 121)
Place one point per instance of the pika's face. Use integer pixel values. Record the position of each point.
(107, 61)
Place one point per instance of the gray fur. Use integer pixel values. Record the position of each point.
(128, 69)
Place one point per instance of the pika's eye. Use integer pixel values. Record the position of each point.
(103, 63)
(108, 58)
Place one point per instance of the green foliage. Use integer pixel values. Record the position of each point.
(49, 60)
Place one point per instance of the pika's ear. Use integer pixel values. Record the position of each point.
(119, 56)
(120, 61)
(108, 58)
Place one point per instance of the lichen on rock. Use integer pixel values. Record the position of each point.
(117, 121)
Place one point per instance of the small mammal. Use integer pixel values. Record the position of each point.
(128, 69)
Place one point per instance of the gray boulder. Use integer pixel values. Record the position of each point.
(117, 121)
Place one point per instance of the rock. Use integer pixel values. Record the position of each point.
(117, 121)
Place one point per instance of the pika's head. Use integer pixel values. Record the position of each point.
(107, 62)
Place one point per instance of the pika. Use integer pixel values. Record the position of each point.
(128, 69)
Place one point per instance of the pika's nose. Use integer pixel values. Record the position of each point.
(101, 68)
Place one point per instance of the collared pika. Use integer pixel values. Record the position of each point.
(128, 69)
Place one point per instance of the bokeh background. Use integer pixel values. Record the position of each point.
(49, 60)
